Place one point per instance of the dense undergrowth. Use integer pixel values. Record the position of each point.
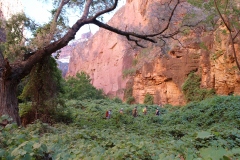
(209, 129)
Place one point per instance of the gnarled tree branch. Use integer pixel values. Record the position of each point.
(230, 34)
(106, 10)
(120, 32)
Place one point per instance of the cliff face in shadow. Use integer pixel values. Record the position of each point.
(115, 64)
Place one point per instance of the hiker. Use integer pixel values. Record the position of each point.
(145, 110)
(157, 113)
(134, 112)
(108, 114)
(121, 111)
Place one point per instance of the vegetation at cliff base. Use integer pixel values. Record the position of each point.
(148, 99)
(80, 87)
(192, 91)
(200, 130)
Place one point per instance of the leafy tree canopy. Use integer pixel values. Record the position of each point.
(80, 87)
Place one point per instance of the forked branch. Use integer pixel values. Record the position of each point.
(135, 37)
(227, 25)
(62, 42)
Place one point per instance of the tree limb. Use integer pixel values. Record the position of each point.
(230, 34)
(145, 37)
(120, 32)
(234, 51)
(24, 67)
(236, 35)
(220, 14)
(63, 2)
(169, 20)
(134, 40)
(86, 9)
(106, 10)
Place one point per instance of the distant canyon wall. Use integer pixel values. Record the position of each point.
(106, 55)
(158, 70)
(164, 76)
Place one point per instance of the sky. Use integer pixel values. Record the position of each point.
(39, 11)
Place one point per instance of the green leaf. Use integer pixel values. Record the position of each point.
(212, 153)
(236, 151)
(8, 127)
(2, 152)
(204, 135)
(23, 152)
(23, 144)
(26, 157)
(226, 158)
(15, 152)
(36, 145)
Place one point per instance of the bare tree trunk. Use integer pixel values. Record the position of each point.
(8, 99)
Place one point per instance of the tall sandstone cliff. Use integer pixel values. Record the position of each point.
(158, 70)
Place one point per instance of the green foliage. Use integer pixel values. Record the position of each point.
(43, 86)
(24, 108)
(5, 118)
(217, 54)
(128, 92)
(62, 114)
(117, 100)
(130, 100)
(186, 32)
(13, 48)
(148, 99)
(208, 129)
(203, 46)
(192, 91)
(129, 72)
(80, 87)
(135, 62)
(21, 143)
(229, 10)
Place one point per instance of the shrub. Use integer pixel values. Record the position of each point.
(192, 91)
(129, 72)
(41, 91)
(117, 100)
(130, 100)
(63, 115)
(80, 88)
(128, 92)
(148, 99)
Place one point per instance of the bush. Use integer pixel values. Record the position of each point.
(148, 99)
(128, 92)
(129, 72)
(192, 91)
(80, 88)
(130, 100)
(63, 115)
(117, 100)
(41, 91)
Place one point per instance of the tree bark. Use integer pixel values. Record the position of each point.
(8, 99)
